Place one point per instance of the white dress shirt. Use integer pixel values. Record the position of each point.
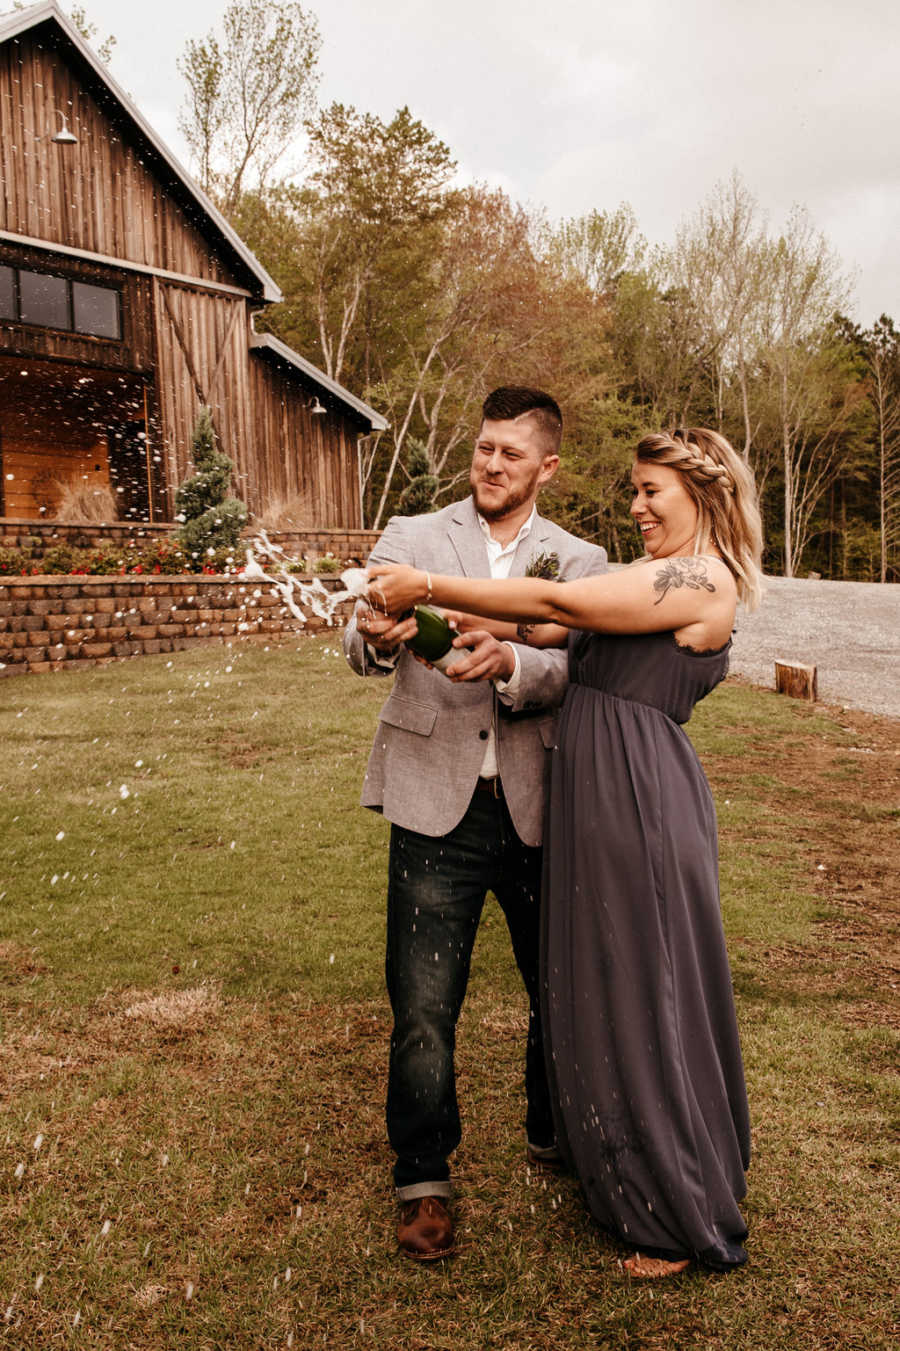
(500, 557)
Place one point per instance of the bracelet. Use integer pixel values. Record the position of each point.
(428, 585)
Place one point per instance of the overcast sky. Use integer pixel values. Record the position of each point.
(581, 104)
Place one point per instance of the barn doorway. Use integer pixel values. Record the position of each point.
(74, 444)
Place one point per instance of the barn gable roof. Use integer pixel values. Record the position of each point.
(48, 12)
(266, 344)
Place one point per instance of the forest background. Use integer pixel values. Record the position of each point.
(420, 293)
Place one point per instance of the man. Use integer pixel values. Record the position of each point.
(459, 767)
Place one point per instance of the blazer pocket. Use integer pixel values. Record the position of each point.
(409, 715)
(547, 729)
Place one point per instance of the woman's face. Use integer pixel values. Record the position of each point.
(663, 509)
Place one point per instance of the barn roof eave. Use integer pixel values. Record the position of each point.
(268, 344)
(48, 10)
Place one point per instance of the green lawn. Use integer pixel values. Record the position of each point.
(194, 1035)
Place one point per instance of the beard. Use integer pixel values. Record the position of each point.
(515, 498)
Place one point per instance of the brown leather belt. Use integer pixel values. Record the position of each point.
(492, 786)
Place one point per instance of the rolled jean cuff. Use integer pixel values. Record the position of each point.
(417, 1189)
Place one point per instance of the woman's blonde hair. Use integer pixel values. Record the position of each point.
(723, 489)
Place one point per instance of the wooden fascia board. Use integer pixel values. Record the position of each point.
(124, 264)
(266, 344)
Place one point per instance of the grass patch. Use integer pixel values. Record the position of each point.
(194, 1035)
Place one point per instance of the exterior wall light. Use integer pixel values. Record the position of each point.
(64, 136)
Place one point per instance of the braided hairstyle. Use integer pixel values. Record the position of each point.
(722, 488)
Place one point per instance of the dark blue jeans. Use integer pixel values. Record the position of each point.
(436, 892)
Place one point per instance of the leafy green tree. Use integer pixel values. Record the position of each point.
(377, 193)
(658, 343)
(719, 259)
(89, 31)
(86, 28)
(598, 248)
(812, 384)
(419, 494)
(209, 518)
(248, 93)
(478, 314)
(881, 347)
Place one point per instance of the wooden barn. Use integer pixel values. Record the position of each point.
(127, 301)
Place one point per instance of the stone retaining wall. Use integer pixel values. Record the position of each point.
(68, 623)
(39, 536)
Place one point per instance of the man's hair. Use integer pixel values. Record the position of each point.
(515, 401)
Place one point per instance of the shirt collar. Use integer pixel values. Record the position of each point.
(524, 532)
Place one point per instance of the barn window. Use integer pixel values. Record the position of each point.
(7, 293)
(56, 302)
(95, 310)
(44, 300)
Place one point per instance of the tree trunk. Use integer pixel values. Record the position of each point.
(882, 487)
(788, 482)
(788, 509)
(796, 680)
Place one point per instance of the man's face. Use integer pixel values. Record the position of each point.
(510, 464)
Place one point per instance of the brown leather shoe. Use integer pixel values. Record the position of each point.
(546, 1160)
(425, 1231)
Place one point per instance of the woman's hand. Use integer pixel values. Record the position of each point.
(396, 588)
(461, 620)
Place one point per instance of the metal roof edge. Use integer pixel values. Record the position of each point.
(268, 341)
(25, 19)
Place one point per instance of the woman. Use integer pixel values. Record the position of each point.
(639, 1013)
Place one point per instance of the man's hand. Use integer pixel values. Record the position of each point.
(383, 632)
(487, 658)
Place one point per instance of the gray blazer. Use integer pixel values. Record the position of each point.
(430, 741)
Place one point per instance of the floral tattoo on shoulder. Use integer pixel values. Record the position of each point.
(689, 572)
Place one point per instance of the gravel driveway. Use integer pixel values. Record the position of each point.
(849, 630)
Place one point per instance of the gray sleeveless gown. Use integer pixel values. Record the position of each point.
(639, 1018)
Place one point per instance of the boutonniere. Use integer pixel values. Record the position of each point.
(545, 566)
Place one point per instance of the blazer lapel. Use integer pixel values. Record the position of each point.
(468, 541)
(530, 547)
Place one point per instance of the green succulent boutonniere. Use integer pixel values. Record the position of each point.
(545, 566)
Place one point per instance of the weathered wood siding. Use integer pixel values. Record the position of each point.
(303, 454)
(103, 195)
(202, 357)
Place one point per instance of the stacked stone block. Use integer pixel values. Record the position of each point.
(39, 536)
(67, 623)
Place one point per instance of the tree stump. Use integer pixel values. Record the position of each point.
(795, 679)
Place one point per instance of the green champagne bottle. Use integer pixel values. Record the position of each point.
(434, 640)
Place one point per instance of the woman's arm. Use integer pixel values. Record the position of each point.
(658, 596)
(535, 635)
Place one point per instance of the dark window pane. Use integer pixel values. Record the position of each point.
(96, 310)
(7, 293)
(43, 300)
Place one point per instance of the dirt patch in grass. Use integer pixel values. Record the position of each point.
(17, 962)
(176, 1010)
(839, 805)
